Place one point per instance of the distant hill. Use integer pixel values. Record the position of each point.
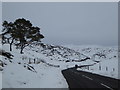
(59, 53)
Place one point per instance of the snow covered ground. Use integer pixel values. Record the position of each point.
(41, 67)
(107, 58)
(17, 75)
(45, 77)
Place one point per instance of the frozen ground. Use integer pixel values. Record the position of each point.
(17, 74)
(107, 63)
(41, 67)
(45, 77)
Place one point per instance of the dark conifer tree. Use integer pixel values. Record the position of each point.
(22, 33)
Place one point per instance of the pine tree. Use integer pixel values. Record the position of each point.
(22, 33)
(27, 33)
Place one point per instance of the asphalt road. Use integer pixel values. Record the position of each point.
(81, 79)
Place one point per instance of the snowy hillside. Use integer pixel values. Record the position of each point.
(58, 53)
(22, 72)
(96, 52)
(106, 58)
(40, 66)
(40, 63)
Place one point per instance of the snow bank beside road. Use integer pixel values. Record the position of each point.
(107, 68)
(16, 76)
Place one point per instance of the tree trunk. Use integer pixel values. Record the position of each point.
(11, 44)
(22, 47)
(21, 51)
(10, 47)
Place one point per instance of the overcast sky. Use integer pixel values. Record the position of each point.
(69, 23)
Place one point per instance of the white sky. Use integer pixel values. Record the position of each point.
(69, 23)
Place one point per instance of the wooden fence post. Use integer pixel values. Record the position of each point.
(106, 68)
